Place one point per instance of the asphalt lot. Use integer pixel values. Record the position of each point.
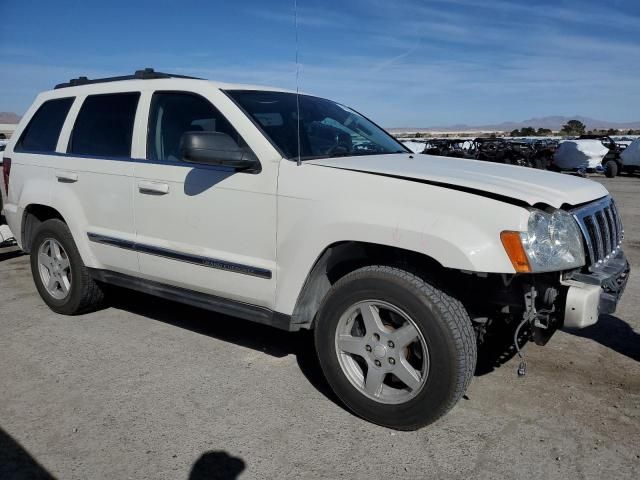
(152, 389)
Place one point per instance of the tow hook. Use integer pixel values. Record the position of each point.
(529, 316)
(539, 320)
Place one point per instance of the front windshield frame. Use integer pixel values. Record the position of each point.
(294, 156)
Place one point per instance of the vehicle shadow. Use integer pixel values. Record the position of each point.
(614, 333)
(9, 253)
(269, 340)
(217, 465)
(199, 180)
(16, 463)
(498, 348)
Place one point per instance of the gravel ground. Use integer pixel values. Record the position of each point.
(153, 389)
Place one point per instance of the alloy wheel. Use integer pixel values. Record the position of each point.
(54, 268)
(382, 352)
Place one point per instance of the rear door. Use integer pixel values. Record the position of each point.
(93, 178)
(205, 228)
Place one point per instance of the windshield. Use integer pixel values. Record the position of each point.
(327, 129)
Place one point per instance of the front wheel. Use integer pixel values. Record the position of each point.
(396, 350)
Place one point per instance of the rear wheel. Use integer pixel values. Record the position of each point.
(611, 169)
(396, 350)
(60, 276)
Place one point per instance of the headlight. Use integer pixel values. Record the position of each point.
(552, 242)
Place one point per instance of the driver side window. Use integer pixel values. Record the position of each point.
(174, 113)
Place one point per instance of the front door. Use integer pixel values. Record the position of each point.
(205, 228)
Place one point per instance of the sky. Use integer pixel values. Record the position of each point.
(403, 63)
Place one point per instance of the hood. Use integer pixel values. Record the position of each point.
(524, 185)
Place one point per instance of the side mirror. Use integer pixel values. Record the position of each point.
(215, 148)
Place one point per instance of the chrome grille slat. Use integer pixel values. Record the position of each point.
(616, 217)
(607, 241)
(598, 237)
(586, 236)
(612, 227)
(601, 229)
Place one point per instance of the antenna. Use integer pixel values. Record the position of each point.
(295, 16)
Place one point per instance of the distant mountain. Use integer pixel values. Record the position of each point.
(9, 117)
(552, 122)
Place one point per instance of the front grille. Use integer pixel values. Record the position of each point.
(601, 228)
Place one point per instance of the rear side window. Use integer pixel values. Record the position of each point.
(42, 132)
(104, 126)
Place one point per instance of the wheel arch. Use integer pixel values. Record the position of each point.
(36, 213)
(33, 216)
(342, 258)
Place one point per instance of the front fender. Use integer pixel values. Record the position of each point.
(458, 230)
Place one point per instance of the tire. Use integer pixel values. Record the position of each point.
(83, 294)
(610, 169)
(442, 324)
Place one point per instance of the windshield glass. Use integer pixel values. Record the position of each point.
(327, 129)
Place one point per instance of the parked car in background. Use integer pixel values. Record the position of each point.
(500, 150)
(544, 150)
(448, 147)
(579, 156)
(3, 145)
(6, 237)
(414, 144)
(631, 157)
(298, 212)
(612, 162)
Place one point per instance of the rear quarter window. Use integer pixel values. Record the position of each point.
(43, 130)
(104, 127)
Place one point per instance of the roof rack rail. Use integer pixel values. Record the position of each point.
(145, 74)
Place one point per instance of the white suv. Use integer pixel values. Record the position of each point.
(300, 213)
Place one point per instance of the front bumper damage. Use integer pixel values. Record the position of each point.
(596, 293)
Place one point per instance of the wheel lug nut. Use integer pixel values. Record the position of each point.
(376, 336)
(390, 343)
(377, 362)
(368, 348)
(392, 361)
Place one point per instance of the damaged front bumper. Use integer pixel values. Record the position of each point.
(592, 294)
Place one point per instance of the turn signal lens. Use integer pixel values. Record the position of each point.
(513, 245)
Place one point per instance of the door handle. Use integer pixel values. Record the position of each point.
(153, 188)
(67, 177)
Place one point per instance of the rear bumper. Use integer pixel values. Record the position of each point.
(592, 294)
